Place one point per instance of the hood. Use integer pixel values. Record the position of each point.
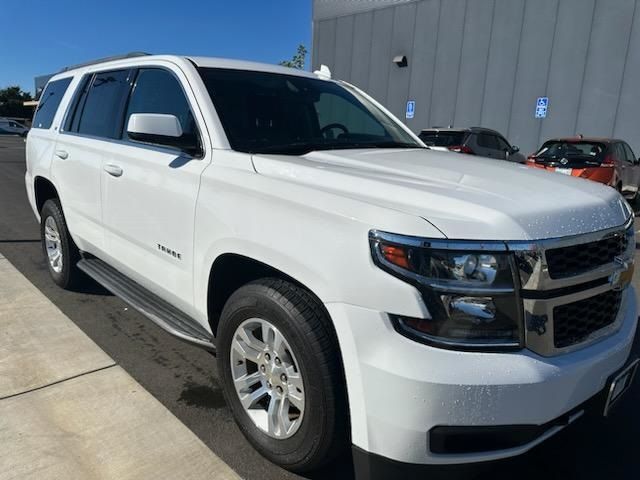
(464, 196)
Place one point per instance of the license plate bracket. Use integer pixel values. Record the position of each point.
(618, 385)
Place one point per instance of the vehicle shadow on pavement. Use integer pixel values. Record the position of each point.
(91, 287)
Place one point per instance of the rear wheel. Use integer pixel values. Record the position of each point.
(281, 373)
(60, 251)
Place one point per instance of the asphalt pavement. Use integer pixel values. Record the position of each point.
(184, 378)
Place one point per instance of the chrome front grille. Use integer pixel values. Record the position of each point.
(573, 288)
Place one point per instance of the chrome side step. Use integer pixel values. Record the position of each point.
(163, 314)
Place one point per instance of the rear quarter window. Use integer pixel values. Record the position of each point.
(571, 149)
(49, 102)
(442, 139)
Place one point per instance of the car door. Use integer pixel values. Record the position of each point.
(487, 145)
(623, 165)
(93, 120)
(14, 128)
(633, 169)
(149, 191)
(504, 149)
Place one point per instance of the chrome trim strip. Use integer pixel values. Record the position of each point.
(439, 243)
(558, 242)
(633, 368)
(441, 287)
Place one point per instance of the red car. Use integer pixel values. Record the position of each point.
(603, 160)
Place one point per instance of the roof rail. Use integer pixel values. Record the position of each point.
(105, 59)
(484, 129)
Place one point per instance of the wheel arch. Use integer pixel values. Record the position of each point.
(231, 271)
(44, 190)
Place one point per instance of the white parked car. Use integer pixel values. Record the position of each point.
(357, 287)
(11, 127)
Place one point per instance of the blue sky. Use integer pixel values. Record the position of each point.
(45, 35)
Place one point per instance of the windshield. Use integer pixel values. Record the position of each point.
(275, 113)
(564, 149)
(442, 139)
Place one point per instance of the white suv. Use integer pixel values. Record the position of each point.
(357, 287)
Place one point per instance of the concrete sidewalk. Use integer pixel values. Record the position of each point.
(67, 411)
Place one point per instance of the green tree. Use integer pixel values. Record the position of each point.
(11, 102)
(297, 61)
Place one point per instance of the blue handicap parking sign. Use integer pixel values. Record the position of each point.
(542, 105)
(411, 109)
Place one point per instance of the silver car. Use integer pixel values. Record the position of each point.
(11, 127)
(474, 141)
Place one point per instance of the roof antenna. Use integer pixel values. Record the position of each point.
(324, 72)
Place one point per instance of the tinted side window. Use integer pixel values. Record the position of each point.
(159, 91)
(102, 112)
(629, 153)
(49, 102)
(488, 141)
(442, 139)
(75, 110)
(503, 144)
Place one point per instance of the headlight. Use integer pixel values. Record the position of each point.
(468, 288)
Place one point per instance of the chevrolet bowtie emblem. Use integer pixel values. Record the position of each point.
(621, 277)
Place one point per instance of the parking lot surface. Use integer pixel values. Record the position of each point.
(184, 378)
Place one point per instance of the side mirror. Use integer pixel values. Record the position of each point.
(161, 129)
(514, 149)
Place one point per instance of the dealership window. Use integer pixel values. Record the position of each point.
(49, 102)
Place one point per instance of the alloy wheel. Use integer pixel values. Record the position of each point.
(267, 378)
(53, 244)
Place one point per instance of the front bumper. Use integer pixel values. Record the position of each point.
(399, 390)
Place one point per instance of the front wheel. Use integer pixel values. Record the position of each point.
(59, 249)
(281, 373)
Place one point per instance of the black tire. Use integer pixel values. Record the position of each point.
(303, 321)
(69, 275)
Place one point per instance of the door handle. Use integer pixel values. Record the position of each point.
(62, 154)
(113, 170)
